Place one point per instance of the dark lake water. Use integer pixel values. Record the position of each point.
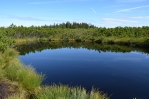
(120, 71)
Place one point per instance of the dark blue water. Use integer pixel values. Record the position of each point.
(121, 75)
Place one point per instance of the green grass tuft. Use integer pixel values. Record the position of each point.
(65, 92)
(14, 70)
(29, 78)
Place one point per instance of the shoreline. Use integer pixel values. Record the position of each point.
(136, 42)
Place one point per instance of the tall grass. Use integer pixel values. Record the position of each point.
(25, 76)
(29, 78)
(65, 92)
(14, 70)
(26, 40)
(8, 57)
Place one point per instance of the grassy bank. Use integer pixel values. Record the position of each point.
(130, 36)
(65, 92)
(138, 42)
(23, 82)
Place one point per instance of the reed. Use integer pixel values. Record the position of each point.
(29, 78)
(14, 70)
(65, 92)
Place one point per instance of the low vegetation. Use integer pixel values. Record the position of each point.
(79, 32)
(65, 92)
(14, 71)
(23, 82)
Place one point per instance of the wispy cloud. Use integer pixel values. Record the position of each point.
(30, 19)
(127, 59)
(58, 1)
(147, 56)
(66, 59)
(114, 6)
(137, 17)
(140, 17)
(130, 0)
(93, 10)
(113, 20)
(125, 10)
(23, 18)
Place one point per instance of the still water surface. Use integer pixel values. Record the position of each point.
(121, 75)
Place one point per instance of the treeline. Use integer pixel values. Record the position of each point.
(69, 25)
(81, 32)
(73, 31)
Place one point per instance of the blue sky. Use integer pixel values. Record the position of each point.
(102, 13)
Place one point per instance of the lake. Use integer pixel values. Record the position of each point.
(120, 71)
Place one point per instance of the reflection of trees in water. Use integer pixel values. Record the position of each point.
(39, 46)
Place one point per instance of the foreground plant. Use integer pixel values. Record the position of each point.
(14, 70)
(65, 92)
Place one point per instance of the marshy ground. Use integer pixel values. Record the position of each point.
(7, 89)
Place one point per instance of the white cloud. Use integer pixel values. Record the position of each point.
(130, 0)
(93, 10)
(31, 19)
(147, 56)
(114, 6)
(114, 20)
(137, 17)
(125, 10)
(25, 18)
(58, 1)
(127, 59)
(140, 17)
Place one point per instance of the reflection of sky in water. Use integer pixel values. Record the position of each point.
(86, 55)
(112, 72)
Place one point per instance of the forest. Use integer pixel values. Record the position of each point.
(79, 32)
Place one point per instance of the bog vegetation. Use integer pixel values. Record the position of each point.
(28, 81)
(80, 32)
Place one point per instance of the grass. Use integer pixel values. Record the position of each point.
(26, 76)
(29, 78)
(14, 70)
(7, 57)
(139, 42)
(65, 92)
(26, 40)
(18, 96)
